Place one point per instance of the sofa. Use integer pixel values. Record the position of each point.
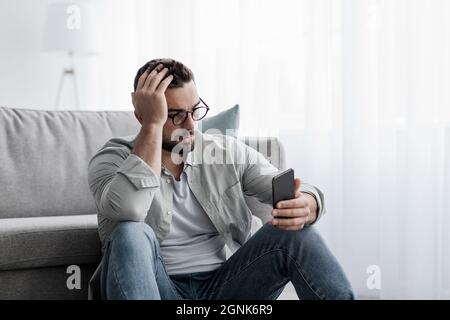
(49, 244)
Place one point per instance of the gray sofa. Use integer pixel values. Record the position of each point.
(48, 218)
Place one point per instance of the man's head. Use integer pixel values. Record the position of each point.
(181, 73)
(181, 95)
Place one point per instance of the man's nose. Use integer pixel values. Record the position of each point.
(189, 123)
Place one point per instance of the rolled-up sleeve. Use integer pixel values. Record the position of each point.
(257, 179)
(123, 185)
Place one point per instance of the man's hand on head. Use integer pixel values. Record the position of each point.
(149, 101)
(294, 214)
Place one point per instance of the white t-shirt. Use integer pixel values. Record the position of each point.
(193, 243)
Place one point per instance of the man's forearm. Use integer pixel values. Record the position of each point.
(148, 146)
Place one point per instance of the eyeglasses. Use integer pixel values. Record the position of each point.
(198, 113)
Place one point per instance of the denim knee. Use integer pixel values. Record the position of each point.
(306, 234)
(130, 262)
(133, 233)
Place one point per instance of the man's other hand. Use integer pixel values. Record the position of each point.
(294, 214)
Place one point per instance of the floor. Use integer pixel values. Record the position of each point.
(288, 293)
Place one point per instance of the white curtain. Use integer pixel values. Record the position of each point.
(357, 90)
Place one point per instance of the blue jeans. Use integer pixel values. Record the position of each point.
(132, 268)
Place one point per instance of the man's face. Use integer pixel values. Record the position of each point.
(180, 99)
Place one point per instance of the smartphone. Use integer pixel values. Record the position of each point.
(283, 186)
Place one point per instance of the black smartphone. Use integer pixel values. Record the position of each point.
(283, 187)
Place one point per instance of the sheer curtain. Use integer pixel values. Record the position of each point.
(357, 90)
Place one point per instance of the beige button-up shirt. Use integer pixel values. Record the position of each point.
(220, 170)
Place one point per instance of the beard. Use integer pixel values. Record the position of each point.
(180, 148)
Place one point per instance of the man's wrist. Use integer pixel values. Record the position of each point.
(313, 206)
(151, 127)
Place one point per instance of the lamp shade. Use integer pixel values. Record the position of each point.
(70, 27)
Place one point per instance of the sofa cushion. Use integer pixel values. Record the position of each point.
(48, 241)
(223, 121)
(49, 283)
(44, 158)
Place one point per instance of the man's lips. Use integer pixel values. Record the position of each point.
(186, 139)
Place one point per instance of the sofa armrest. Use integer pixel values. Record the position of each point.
(270, 147)
(273, 150)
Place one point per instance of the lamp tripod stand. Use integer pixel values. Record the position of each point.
(69, 72)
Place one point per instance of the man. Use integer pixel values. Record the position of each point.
(166, 211)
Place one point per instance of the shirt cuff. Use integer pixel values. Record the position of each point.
(139, 173)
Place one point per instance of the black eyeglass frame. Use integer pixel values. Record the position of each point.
(172, 116)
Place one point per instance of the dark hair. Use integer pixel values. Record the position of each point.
(181, 73)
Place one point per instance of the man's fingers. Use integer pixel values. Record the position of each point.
(299, 202)
(165, 83)
(297, 184)
(290, 222)
(155, 81)
(290, 213)
(151, 75)
(142, 79)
